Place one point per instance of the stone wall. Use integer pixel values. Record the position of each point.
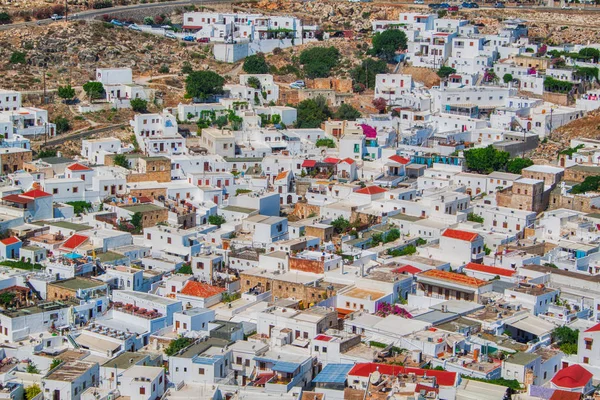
(304, 265)
(13, 161)
(303, 210)
(152, 193)
(285, 289)
(571, 202)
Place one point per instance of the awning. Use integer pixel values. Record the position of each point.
(287, 367)
(97, 344)
(309, 163)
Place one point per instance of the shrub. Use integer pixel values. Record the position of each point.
(120, 160)
(139, 105)
(164, 69)
(216, 220)
(177, 345)
(318, 61)
(475, 218)
(386, 43)
(256, 64)
(62, 124)
(17, 57)
(325, 142)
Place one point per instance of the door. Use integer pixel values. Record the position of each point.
(56, 394)
(177, 325)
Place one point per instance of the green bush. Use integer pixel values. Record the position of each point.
(475, 218)
(312, 112)
(139, 105)
(216, 220)
(325, 142)
(387, 43)
(256, 64)
(18, 57)
(79, 207)
(177, 345)
(319, 61)
(62, 124)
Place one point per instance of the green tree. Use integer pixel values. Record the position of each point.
(177, 345)
(590, 52)
(136, 221)
(120, 160)
(55, 363)
(507, 78)
(80, 206)
(340, 224)
(203, 84)
(516, 165)
(139, 105)
(589, 184)
(148, 21)
(347, 112)
(62, 124)
(32, 368)
(221, 121)
(387, 43)
(253, 82)
(5, 18)
(256, 64)
(6, 298)
(486, 160)
(366, 72)
(444, 72)
(216, 220)
(32, 391)
(186, 68)
(475, 218)
(325, 142)
(93, 89)
(164, 69)
(66, 92)
(186, 269)
(312, 112)
(18, 57)
(319, 61)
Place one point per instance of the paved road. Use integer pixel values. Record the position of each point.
(90, 14)
(81, 135)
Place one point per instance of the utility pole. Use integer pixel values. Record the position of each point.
(44, 80)
(66, 11)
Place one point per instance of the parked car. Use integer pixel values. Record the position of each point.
(297, 85)
(56, 17)
(474, 5)
(188, 38)
(566, 7)
(135, 27)
(453, 8)
(434, 6)
(499, 5)
(419, 2)
(445, 5)
(116, 22)
(203, 40)
(170, 35)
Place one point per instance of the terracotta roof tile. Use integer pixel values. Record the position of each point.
(453, 277)
(574, 376)
(460, 235)
(78, 167)
(371, 190)
(74, 242)
(490, 270)
(10, 240)
(202, 290)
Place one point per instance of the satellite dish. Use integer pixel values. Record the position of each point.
(375, 376)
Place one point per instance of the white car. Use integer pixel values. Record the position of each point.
(419, 2)
(566, 7)
(170, 35)
(297, 85)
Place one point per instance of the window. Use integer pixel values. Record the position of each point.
(324, 349)
(75, 189)
(586, 360)
(588, 343)
(148, 236)
(316, 348)
(55, 191)
(200, 371)
(247, 363)
(142, 390)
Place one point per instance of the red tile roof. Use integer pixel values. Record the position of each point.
(10, 240)
(17, 198)
(443, 378)
(78, 167)
(490, 270)
(348, 161)
(594, 328)
(399, 159)
(309, 163)
(74, 242)
(331, 160)
(572, 377)
(408, 269)
(202, 290)
(371, 190)
(323, 338)
(565, 395)
(35, 193)
(453, 277)
(282, 175)
(460, 235)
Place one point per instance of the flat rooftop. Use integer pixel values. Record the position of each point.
(143, 208)
(78, 283)
(69, 371)
(358, 293)
(125, 360)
